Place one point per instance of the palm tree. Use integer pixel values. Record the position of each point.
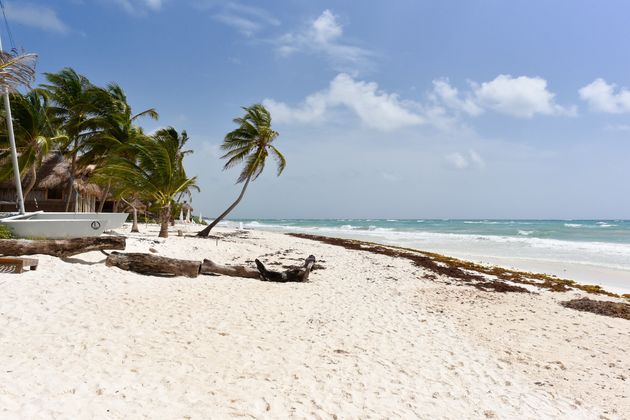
(34, 136)
(133, 205)
(114, 127)
(153, 166)
(75, 102)
(249, 143)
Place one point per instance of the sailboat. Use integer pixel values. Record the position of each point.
(40, 224)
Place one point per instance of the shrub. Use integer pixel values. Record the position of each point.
(5, 232)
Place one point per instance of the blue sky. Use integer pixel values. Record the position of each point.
(393, 109)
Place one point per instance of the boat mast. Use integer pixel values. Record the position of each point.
(16, 168)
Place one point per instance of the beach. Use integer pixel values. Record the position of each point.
(369, 336)
(587, 251)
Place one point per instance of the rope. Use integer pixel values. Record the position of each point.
(6, 23)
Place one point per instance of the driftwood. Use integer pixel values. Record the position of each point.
(60, 247)
(292, 275)
(153, 264)
(210, 267)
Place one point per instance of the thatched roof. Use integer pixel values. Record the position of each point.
(86, 188)
(139, 205)
(55, 173)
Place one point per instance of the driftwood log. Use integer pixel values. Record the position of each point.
(299, 274)
(153, 264)
(210, 267)
(292, 275)
(60, 247)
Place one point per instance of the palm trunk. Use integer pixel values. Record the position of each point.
(70, 187)
(32, 183)
(104, 197)
(204, 233)
(165, 216)
(134, 226)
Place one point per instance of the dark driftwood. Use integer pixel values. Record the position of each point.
(292, 275)
(210, 267)
(153, 264)
(60, 247)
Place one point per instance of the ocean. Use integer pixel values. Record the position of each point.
(562, 247)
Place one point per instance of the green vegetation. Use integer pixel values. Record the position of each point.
(96, 131)
(6, 233)
(249, 143)
(154, 166)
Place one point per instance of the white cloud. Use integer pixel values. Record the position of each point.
(37, 16)
(154, 4)
(601, 96)
(457, 160)
(241, 24)
(472, 159)
(375, 108)
(323, 36)
(516, 96)
(325, 28)
(140, 7)
(447, 94)
(248, 20)
(519, 96)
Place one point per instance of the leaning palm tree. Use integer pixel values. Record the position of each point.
(35, 136)
(249, 143)
(153, 166)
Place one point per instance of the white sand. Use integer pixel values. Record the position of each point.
(367, 337)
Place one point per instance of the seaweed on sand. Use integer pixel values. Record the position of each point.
(601, 307)
(483, 277)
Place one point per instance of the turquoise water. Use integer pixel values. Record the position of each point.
(612, 231)
(594, 251)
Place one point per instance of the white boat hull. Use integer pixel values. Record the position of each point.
(62, 225)
(114, 220)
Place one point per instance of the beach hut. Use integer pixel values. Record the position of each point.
(52, 183)
(187, 211)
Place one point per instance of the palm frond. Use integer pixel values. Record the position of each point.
(151, 113)
(249, 143)
(280, 159)
(17, 70)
